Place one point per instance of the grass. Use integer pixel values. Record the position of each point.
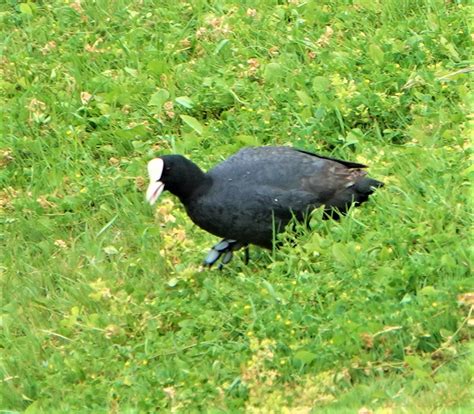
(104, 306)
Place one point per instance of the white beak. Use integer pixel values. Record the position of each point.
(156, 187)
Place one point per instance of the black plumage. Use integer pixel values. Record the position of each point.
(257, 191)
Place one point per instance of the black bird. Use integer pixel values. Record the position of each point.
(255, 193)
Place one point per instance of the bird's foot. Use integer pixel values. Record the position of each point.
(224, 250)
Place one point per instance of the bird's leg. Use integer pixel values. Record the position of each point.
(224, 250)
(246, 255)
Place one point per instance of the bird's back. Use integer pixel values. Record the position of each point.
(329, 181)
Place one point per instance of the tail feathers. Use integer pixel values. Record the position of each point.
(367, 185)
(357, 194)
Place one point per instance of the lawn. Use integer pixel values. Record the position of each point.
(105, 307)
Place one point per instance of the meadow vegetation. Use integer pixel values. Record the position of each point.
(104, 305)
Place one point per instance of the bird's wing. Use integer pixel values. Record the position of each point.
(291, 174)
(348, 164)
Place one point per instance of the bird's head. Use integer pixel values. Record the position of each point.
(173, 173)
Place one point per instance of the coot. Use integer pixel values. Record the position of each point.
(255, 193)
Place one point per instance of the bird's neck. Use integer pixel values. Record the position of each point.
(192, 181)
